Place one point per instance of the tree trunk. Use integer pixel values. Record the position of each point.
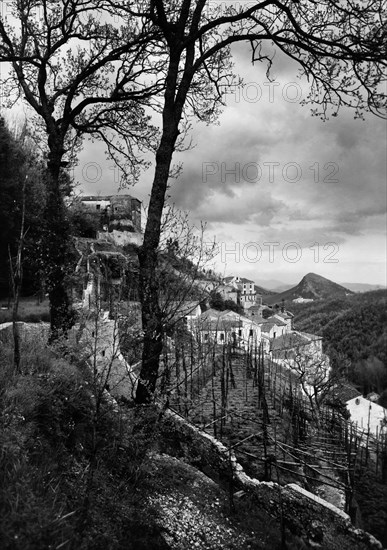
(57, 237)
(148, 257)
(17, 279)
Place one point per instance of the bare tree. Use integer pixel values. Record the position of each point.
(183, 254)
(71, 64)
(174, 56)
(339, 47)
(311, 370)
(16, 281)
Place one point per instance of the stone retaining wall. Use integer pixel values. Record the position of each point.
(306, 515)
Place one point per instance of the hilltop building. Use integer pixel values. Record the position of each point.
(120, 217)
(229, 292)
(246, 292)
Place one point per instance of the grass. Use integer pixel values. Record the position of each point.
(48, 498)
(29, 310)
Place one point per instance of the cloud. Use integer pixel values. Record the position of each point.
(271, 172)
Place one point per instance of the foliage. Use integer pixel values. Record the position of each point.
(46, 425)
(83, 221)
(218, 302)
(354, 332)
(19, 164)
(371, 496)
(71, 92)
(383, 399)
(47, 418)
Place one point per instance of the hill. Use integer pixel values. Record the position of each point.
(354, 332)
(362, 287)
(274, 285)
(263, 291)
(313, 287)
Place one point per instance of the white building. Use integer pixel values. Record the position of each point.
(301, 300)
(367, 415)
(223, 327)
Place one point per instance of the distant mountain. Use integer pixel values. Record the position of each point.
(274, 285)
(313, 287)
(263, 291)
(283, 288)
(362, 287)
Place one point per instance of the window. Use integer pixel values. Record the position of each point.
(240, 332)
(206, 337)
(251, 333)
(98, 206)
(103, 353)
(221, 337)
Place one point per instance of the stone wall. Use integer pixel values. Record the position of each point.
(306, 515)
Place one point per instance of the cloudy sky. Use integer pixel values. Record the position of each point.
(283, 192)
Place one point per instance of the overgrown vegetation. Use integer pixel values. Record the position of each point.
(78, 477)
(371, 496)
(59, 488)
(218, 302)
(354, 332)
(30, 310)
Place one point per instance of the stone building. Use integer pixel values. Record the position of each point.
(247, 295)
(120, 217)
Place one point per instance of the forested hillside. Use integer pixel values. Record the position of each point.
(355, 335)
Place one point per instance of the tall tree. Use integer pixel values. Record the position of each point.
(70, 63)
(338, 45)
(11, 162)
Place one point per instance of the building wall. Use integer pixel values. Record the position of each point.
(118, 207)
(97, 204)
(276, 331)
(366, 414)
(288, 322)
(244, 332)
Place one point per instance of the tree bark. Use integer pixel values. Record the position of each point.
(57, 236)
(174, 100)
(148, 257)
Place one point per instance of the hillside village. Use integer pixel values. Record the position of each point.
(147, 401)
(228, 349)
(258, 325)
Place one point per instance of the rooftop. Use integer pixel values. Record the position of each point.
(85, 198)
(290, 340)
(275, 321)
(344, 392)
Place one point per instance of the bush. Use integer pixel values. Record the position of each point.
(65, 469)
